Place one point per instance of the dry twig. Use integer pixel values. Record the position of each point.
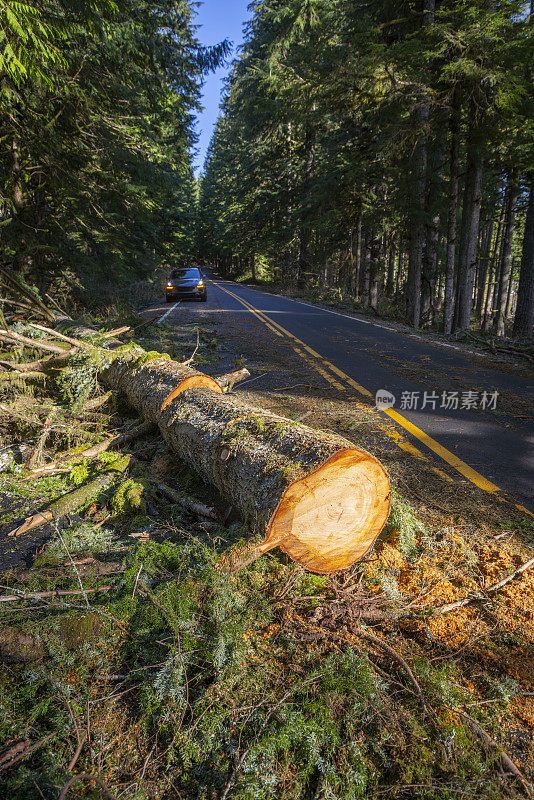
(490, 590)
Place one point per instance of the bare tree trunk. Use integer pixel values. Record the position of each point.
(417, 226)
(493, 270)
(469, 234)
(357, 258)
(366, 288)
(508, 235)
(390, 282)
(509, 293)
(524, 315)
(434, 193)
(452, 220)
(483, 269)
(18, 195)
(304, 260)
(374, 272)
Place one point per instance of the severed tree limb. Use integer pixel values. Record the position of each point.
(57, 335)
(93, 451)
(115, 332)
(490, 590)
(11, 598)
(506, 761)
(229, 379)
(18, 752)
(37, 344)
(187, 502)
(28, 377)
(72, 501)
(41, 365)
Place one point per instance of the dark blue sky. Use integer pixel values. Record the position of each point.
(219, 19)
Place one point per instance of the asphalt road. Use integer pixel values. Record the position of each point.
(364, 357)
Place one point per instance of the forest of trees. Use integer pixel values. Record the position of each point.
(383, 151)
(98, 102)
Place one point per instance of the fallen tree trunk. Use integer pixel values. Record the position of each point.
(320, 499)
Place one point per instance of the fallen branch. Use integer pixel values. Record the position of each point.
(187, 502)
(144, 324)
(93, 451)
(189, 360)
(35, 455)
(72, 501)
(11, 598)
(61, 336)
(229, 379)
(25, 377)
(115, 332)
(490, 590)
(22, 754)
(37, 344)
(506, 761)
(41, 365)
(90, 777)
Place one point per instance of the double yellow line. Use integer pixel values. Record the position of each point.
(340, 380)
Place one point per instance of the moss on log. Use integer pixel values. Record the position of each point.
(319, 498)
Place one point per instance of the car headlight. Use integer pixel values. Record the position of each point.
(170, 286)
(200, 285)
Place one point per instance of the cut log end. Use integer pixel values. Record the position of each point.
(331, 518)
(193, 382)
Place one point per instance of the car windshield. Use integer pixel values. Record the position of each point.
(186, 273)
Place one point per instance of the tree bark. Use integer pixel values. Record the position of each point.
(317, 497)
(469, 234)
(18, 195)
(524, 315)
(483, 269)
(508, 235)
(390, 282)
(417, 227)
(434, 181)
(452, 222)
(356, 260)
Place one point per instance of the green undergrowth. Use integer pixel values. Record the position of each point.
(179, 680)
(196, 677)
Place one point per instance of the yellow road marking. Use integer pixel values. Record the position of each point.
(464, 469)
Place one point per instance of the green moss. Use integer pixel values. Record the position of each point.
(151, 355)
(128, 498)
(79, 473)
